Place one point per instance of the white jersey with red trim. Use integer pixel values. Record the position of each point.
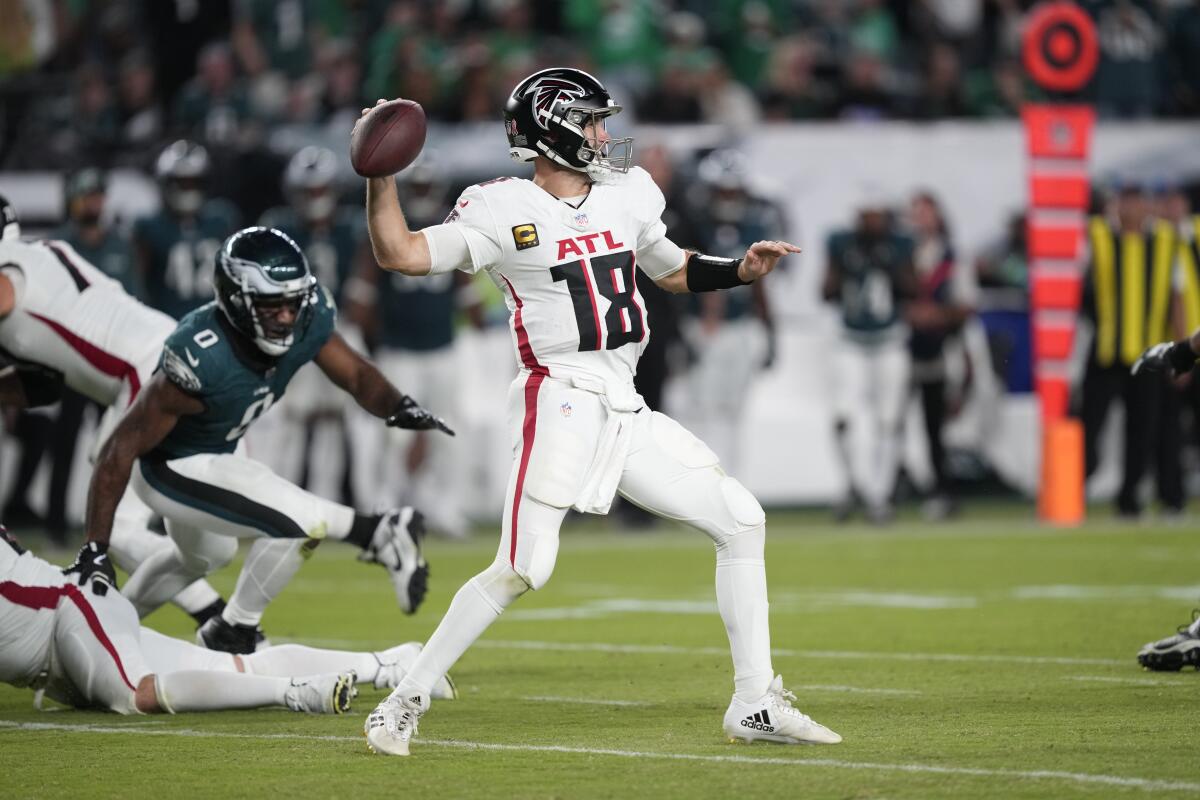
(30, 591)
(73, 318)
(567, 271)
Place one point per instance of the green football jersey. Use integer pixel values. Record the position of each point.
(180, 255)
(207, 358)
(870, 271)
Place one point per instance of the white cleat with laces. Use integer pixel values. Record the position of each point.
(393, 724)
(772, 718)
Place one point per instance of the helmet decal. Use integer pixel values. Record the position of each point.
(549, 92)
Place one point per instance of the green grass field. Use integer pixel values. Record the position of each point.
(986, 658)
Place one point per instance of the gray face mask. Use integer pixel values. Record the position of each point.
(185, 201)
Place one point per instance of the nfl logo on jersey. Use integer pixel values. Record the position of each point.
(581, 219)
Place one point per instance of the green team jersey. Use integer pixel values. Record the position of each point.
(417, 313)
(331, 252)
(179, 255)
(870, 271)
(207, 358)
(113, 256)
(761, 221)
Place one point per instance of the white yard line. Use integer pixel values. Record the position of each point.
(605, 647)
(1127, 681)
(1147, 784)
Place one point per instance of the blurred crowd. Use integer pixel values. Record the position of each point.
(103, 79)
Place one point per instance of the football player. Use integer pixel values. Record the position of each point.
(220, 370)
(82, 645)
(62, 320)
(175, 247)
(563, 248)
(1183, 648)
(871, 278)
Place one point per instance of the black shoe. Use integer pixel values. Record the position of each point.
(211, 610)
(1175, 652)
(217, 634)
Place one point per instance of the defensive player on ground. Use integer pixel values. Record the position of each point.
(62, 320)
(83, 646)
(1183, 648)
(223, 367)
(562, 248)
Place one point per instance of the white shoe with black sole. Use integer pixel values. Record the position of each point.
(393, 724)
(322, 694)
(1174, 652)
(396, 544)
(772, 718)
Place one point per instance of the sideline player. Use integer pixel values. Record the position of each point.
(83, 646)
(1183, 648)
(221, 369)
(563, 248)
(59, 311)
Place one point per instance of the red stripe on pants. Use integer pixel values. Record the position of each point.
(48, 597)
(533, 385)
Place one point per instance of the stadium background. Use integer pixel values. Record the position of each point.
(830, 102)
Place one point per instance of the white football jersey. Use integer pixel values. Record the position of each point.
(567, 273)
(73, 318)
(30, 591)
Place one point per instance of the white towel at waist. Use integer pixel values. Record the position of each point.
(604, 473)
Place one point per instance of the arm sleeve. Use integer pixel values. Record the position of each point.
(470, 226)
(657, 255)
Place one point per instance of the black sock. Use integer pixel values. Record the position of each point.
(209, 611)
(363, 529)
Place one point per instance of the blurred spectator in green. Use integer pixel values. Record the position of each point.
(725, 101)
(514, 35)
(1127, 80)
(138, 102)
(212, 107)
(87, 230)
(281, 35)
(1003, 264)
(998, 92)
(94, 124)
(873, 29)
(1183, 59)
(942, 93)
(865, 91)
(791, 88)
(621, 35)
(675, 97)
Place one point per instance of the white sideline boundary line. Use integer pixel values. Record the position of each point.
(585, 701)
(1146, 784)
(1126, 681)
(606, 647)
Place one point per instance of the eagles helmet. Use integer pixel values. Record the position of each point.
(181, 170)
(260, 275)
(546, 114)
(10, 226)
(308, 183)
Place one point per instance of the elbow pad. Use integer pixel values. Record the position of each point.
(708, 273)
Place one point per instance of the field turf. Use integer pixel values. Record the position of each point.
(988, 657)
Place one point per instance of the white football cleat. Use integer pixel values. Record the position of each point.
(1174, 652)
(393, 724)
(772, 718)
(394, 664)
(322, 694)
(396, 544)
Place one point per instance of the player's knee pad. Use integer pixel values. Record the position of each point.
(741, 516)
(500, 584)
(207, 553)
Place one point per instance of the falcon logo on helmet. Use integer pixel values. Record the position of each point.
(549, 93)
(560, 114)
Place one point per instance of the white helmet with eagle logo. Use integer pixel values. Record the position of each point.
(547, 113)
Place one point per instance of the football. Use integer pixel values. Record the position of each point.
(387, 139)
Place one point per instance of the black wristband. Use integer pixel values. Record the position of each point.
(708, 274)
(1181, 357)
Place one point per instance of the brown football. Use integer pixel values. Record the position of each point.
(387, 139)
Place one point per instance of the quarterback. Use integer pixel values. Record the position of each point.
(562, 248)
(82, 645)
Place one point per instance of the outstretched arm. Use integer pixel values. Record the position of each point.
(705, 273)
(371, 390)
